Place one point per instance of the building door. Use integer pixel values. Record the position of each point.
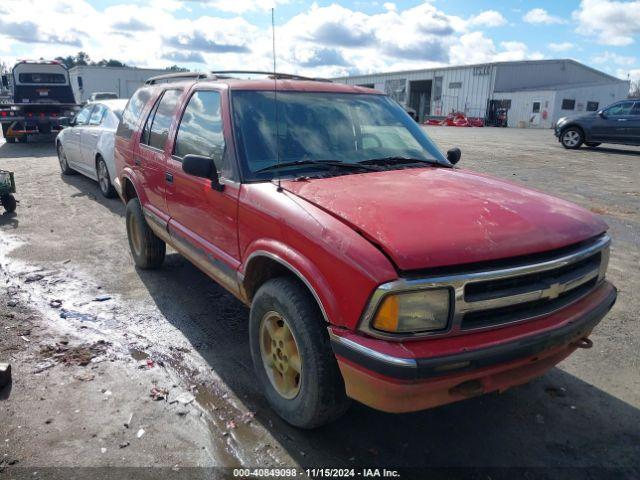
(420, 98)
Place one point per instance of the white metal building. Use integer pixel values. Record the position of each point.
(89, 79)
(535, 92)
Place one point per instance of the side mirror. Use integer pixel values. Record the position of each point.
(601, 114)
(454, 155)
(203, 167)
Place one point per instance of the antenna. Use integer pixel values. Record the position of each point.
(275, 94)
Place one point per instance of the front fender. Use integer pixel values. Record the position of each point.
(299, 265)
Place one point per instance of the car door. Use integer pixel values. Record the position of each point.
(89, 139)
(611, 124)
(633, 125)
(149, 156)
(74, 134)
(204, 220)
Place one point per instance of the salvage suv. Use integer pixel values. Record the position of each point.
(375, 269)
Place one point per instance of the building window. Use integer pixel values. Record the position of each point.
(536, 107)
(592, 106)
(396, 89)
(80, 85)
(437, 89)
(453, 85)
(568, 104)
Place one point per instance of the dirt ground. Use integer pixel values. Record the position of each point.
(92, 340)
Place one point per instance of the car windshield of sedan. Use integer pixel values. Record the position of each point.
(315, 127)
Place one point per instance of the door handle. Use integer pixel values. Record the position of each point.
(622, 119)
(137, 161)
(168, 177)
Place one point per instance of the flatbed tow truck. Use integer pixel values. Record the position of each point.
(40, 96)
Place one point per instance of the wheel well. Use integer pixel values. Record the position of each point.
(262, 269)
(577, 127)
(98, 157)
(128, 190)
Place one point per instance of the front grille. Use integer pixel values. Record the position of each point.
(523, 311)
(496, 301)
(501, 292)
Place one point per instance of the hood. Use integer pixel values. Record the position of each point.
(572, 118)
(434, 217)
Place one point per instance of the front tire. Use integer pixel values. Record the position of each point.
(62, 159)
(9, 202)
(104, 180)
(292, 355)
(572, 138)
(147, 249)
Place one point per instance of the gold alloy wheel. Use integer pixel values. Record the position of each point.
(280, 355)
(134, 234)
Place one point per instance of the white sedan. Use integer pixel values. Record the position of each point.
(86, 145)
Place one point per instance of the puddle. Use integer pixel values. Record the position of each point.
(138, 355)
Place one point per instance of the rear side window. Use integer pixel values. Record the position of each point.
(165, 111)
(200, 131)
(133, 112)
(636, 109)
(97, 115)
(83, 117)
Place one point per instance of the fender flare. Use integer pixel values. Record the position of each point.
(298, 265)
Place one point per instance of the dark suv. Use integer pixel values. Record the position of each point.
(618, 123)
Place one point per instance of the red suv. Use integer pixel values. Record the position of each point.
(375, 269)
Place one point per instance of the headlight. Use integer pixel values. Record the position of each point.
(561, 120)
(409, 312)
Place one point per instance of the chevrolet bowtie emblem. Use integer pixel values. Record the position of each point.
(553, 291)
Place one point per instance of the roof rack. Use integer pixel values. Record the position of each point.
(275, 75)
(168, 77)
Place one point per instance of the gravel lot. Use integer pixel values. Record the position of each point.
(582, 419)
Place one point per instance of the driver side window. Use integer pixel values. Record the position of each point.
(620, 109)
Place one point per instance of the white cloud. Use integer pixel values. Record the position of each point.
(609, 57)
(561, 47)
(610, 22)
(242, 6)
(540, 16)
(488, 18)
(392, 7)
(323, 41)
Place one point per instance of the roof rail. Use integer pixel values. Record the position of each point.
(168, 77)
(276, 75)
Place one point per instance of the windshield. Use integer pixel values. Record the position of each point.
(319, 126)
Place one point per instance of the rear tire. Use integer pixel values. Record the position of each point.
(62, 159)
(572, 138)
(147, 249)
(296, 365)
(592, 144)
(9, 202)
(104, 180)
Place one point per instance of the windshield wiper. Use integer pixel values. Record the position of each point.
(396, 161)
(322, 163)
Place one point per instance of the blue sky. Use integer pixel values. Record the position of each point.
(325, 37)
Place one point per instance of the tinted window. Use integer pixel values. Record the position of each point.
(636, 109)
(83, 117)
(162, 118)
(132, 112)
(97, 115)
(42, 78)
(200, 131)
(619, 109)
(568, 104)
(592, 106)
